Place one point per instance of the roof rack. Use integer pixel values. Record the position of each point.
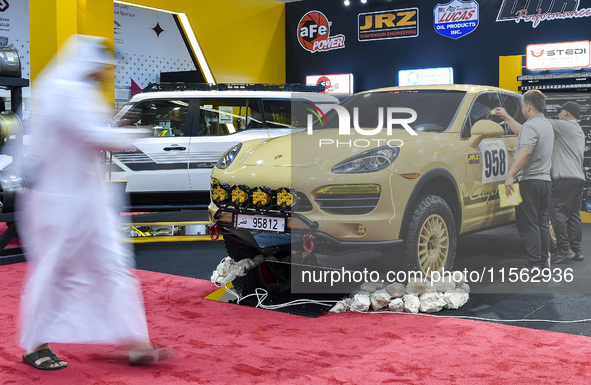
(181, 86)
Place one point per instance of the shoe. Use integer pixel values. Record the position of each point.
(44, 359)
(154, 354)
(578, 256)
(563, 257)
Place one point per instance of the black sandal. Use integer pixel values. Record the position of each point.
(44, 359)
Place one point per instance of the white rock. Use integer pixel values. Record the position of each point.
(227, 279)
(431, 303)
(214, 276)
(380, 299)
(458, 277)
(367, 293)
(396, 290)
(237, 270)
(247, 263)
(396, 304)
(454, 299)
(411, 303)
(340, 307)
(259, 259)
(379, 285)
(368, 286)
(415, 288)
(361, 303)
(465, 287)
(225, 266)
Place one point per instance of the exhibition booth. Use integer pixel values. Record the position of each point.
(266, 179)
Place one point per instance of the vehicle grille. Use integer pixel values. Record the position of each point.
(348, 204)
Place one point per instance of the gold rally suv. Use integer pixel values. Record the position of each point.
(401, 170)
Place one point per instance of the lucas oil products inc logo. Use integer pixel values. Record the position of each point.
(314, 33)
(391, 24)
(537, 11)
(456, 19)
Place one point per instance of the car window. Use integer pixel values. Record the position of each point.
(435, 109)
(165, 117)
(277, 113)
(481, 110)
(228, 116)
(513, 106)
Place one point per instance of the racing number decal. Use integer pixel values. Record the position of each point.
(495, 162)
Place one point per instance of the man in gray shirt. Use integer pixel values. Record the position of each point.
(531, 168)
(568, 180)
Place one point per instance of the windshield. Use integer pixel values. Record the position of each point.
(435, 109)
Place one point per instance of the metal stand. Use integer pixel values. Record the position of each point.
(14, 254)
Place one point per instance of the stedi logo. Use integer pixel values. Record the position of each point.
(392, 119)
(314, 33)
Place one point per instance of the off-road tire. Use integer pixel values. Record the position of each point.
(431, 216)
(247, 283)
(238, 250)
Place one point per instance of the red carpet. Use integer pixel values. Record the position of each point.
(220, 343)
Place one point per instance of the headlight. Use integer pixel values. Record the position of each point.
(227, 159)
(368, 161)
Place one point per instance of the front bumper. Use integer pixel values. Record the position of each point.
(301, 234)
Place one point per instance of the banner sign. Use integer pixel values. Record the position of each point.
(336, 85)
(456, 19)
(551, 56)
(314, 33)
(147, 42)
(391, 24)
(14, 30)
(537, 11)
(426, 76)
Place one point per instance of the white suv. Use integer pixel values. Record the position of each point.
(193, 126)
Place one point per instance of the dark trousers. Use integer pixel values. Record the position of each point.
(565, 213)
(531, 217)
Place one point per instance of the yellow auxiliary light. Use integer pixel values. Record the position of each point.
(261, 197)
(361, 230)
(220, 194)
(286, 197)
(240, 195)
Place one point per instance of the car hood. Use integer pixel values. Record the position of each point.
(303, 150)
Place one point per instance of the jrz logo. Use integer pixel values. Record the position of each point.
(473, 158)
(4, 5)
(392, 118)
(314, 33)
(537, 11)
(391, 24)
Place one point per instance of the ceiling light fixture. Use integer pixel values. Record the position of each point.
(347, 2)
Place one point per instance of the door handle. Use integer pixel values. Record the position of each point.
(179, 148)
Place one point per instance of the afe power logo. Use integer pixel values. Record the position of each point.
(537, 11)
(391, 24)
(314, 33)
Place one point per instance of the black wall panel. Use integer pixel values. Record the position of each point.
(474, 57)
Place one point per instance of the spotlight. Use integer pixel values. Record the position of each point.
(220, 193)
(261, 197)
(347, 2)
(363, 1)
(286, 198)
(240, 196)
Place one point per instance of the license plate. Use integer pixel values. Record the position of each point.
(260, 222)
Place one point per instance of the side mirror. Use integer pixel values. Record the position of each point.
(484, 129)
